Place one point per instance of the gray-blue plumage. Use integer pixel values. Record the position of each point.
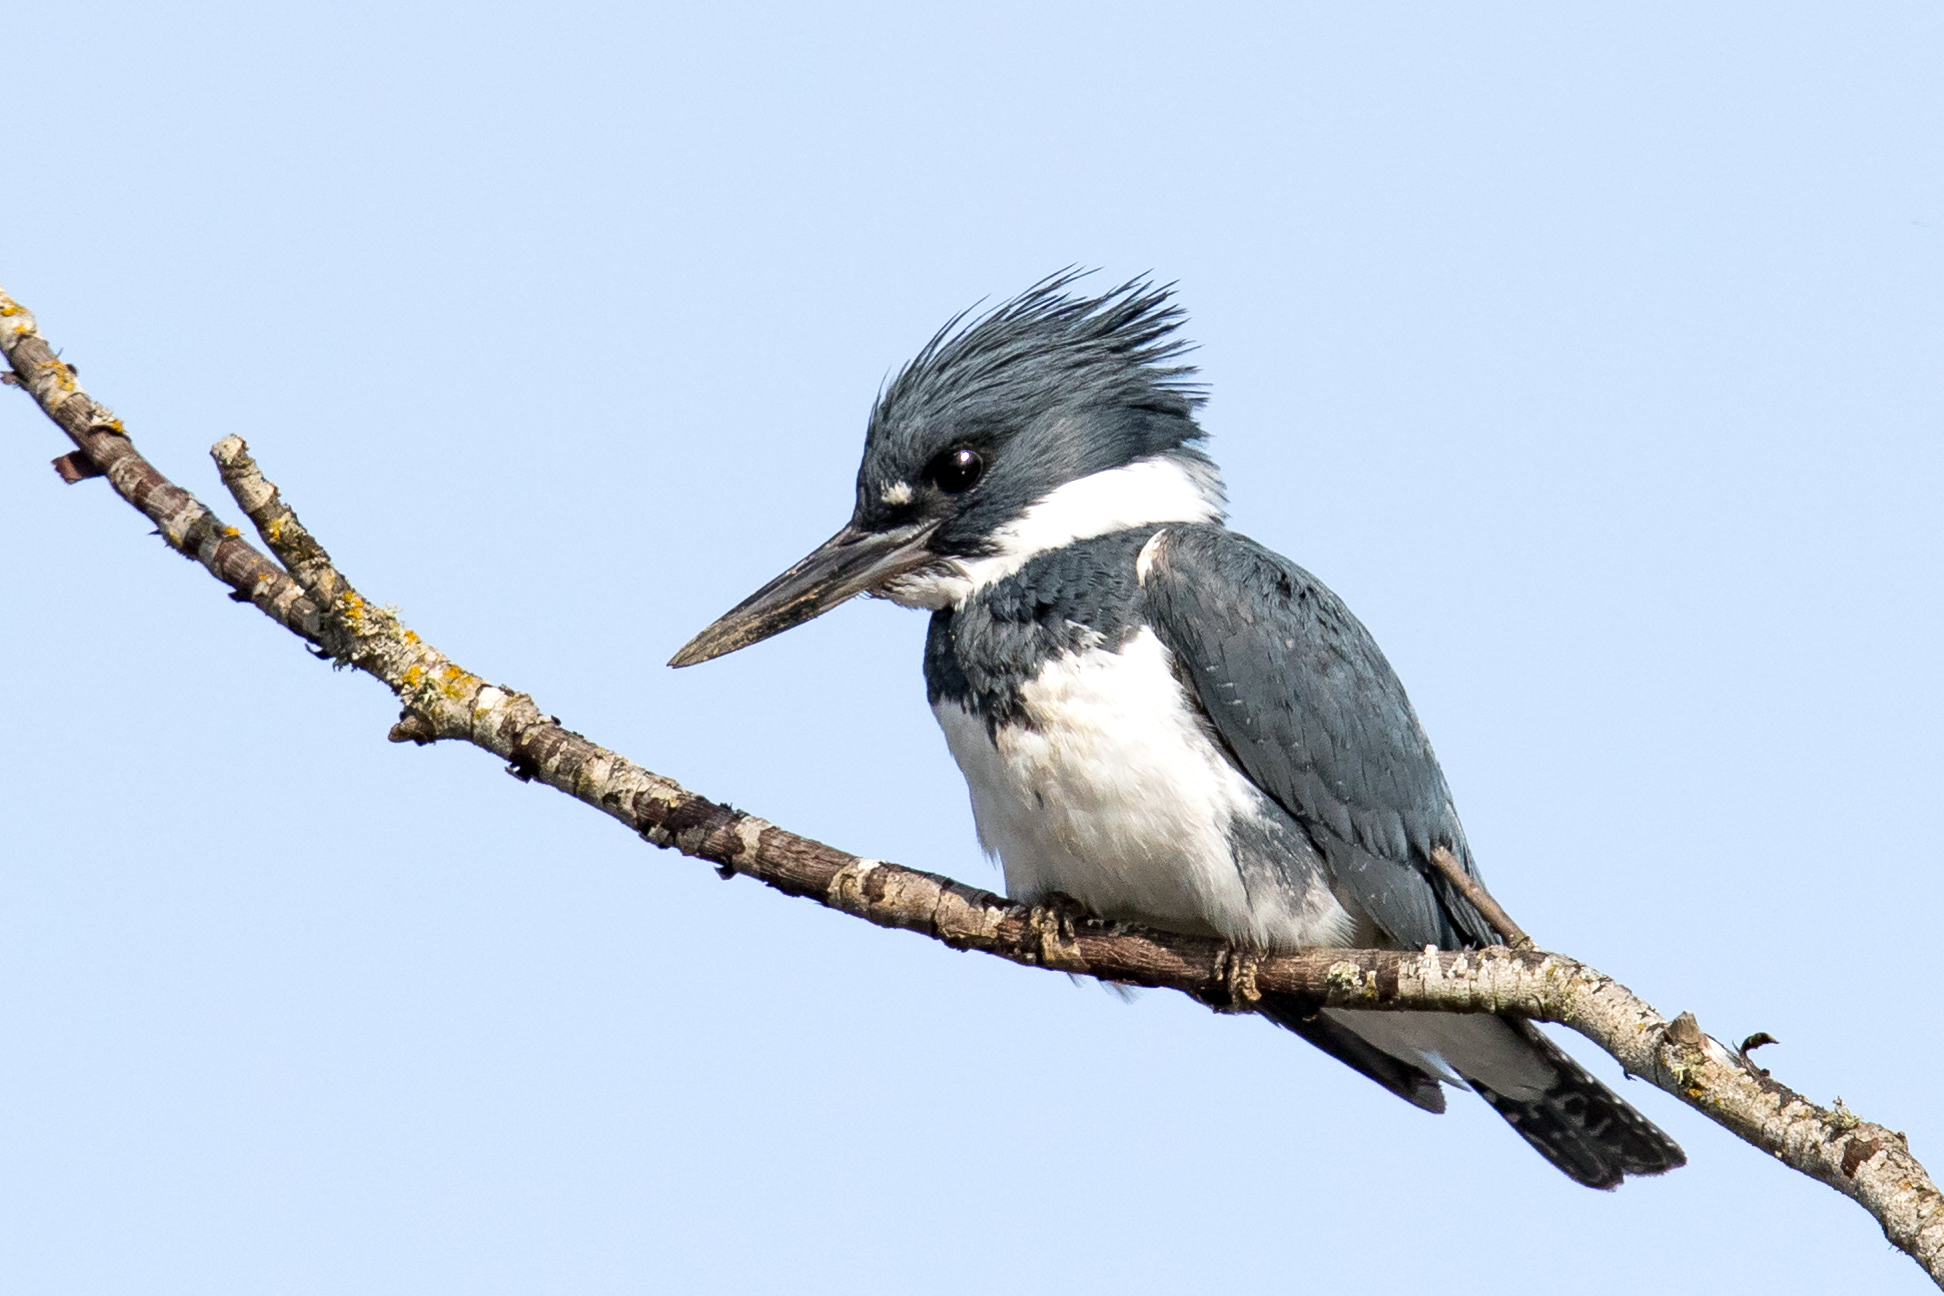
(1156, 716)
(1308, 706)
(1292, 684)
(1082, 596)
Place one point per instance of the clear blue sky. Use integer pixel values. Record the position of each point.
(1591, 352)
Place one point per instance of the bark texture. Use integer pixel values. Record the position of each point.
(304, 592)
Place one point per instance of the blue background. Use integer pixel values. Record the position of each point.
(1591, 352)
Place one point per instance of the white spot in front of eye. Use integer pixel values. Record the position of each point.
(896, 493)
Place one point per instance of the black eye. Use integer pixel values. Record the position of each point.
(955, 471)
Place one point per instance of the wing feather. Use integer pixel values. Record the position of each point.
(1308, 707)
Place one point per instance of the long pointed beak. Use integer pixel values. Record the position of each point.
(850, 563)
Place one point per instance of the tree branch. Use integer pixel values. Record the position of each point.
(441, 700)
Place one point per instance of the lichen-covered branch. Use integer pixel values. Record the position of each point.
(102, 449)
(441, 700)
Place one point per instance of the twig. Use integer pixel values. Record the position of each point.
(1481, 899)
(103, 449)
(441, 700)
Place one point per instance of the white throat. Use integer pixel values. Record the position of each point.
(1164, 488)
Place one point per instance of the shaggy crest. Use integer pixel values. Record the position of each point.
(1048, 347)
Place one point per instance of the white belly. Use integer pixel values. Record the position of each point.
(1115, 796)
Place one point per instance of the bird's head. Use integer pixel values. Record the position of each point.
(1052, 418)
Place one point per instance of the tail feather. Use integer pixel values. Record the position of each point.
(1588, 1132)
(1410, 1082)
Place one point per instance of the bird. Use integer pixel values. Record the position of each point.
(1157, 717)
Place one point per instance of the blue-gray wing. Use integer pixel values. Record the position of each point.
(1297, 690)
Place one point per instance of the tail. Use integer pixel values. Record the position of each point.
(1408, 1081)
(1585, 1129)
(1578, 1124)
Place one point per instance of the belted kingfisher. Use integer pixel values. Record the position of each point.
(1160, 718)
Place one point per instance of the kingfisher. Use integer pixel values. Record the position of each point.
(1156, 716)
